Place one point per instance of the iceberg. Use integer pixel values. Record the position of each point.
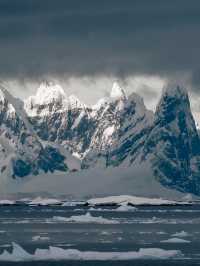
(57, 253)
(131, 200)
(85, 218)
(7, 202)
(45, 202)
(175, 240)
(180, 234)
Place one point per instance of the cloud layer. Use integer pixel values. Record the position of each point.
(100, 37)
(87, 44)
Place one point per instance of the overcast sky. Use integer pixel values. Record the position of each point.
(86, 45)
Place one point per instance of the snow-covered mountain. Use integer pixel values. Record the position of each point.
(22, 151)
(52, 131)
(122, 123)
(61, 119)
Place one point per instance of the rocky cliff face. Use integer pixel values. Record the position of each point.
(173, 144)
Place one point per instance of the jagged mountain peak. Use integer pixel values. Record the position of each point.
(174, 93)
(7, 101)
(48, 92)
(117, 92)
(49, 98)
(174, 90)
(119, 132)
(173, 111)
(2, 95)
(173, 145)
(122, 100)
(173, 99)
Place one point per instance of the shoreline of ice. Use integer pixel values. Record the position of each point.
(122, 200)
(126, 200)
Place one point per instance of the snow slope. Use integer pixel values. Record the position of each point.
(95, 182)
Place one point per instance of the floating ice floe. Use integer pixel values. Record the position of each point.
(86, 218)
(131, 200)
(44, 202)
(181, 234)
(57, 253)
(72, 203)
(7, 202)
(40, 238)
(121, 208)
(175, 240)
(5, 245)
(126, 208)
(157, 220)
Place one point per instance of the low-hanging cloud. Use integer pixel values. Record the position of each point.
(120, 38)
(86, 45)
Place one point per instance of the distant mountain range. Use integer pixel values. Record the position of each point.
(51, 133)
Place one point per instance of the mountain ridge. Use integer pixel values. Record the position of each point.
(118, 131)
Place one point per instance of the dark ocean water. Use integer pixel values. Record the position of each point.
(102, 230)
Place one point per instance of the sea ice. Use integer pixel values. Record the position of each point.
(40, 238)
(130, 200)
(181, 234)
(56, 253)
(86, 218)
(45, 201)
(175, 240)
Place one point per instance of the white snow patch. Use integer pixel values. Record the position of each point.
(78, 120)
(57, 253)
(108, 132)
(77, 155)
(96, 182)
(117, 92)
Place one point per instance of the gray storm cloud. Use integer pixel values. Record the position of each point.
(100, 37)
(88, 44)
